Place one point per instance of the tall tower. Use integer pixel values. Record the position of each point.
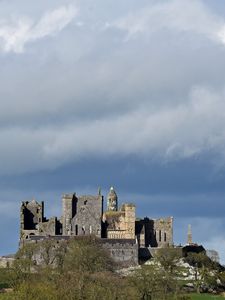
(129, 220)
(189, 237)
(68, 212)
(112, 200)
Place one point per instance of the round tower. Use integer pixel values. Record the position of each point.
(112, 200)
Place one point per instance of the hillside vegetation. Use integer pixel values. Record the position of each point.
(81, 269)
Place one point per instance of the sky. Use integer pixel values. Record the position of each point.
(129, 94)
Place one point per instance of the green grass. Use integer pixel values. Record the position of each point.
(10, 296)
(5, 278)
(7, 296)
(4, 297)
(206, 297)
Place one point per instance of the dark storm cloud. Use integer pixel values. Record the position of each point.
(171, 188)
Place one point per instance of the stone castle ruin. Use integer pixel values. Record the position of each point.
(118, 229)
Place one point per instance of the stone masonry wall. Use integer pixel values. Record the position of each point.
(88, 217)
(129, 221)
(49, 227)
(123, 251)
(120, 224)
(163, 229)
(69, 202)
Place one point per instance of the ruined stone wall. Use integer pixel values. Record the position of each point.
(114, 224)
(123, 251)
(141, 238)
(154, 233)
(83, 215)
(116, 234)
(49, 227)
(129, 220)
(69, 209)
(33, 222)
(88, 217)
(31, 214)
(163, 230)
(144, 231)
(120, 224)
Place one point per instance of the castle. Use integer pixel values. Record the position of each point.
(119, 230)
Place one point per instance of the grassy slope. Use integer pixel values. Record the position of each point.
(206, 297)
(9, 296)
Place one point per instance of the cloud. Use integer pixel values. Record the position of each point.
(132, 98)
(181, 131)
(16, 34)
(178, 132)
(221, 34)
(178, 15)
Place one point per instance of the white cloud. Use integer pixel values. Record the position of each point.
(177, 15)
(16, 34)
(221, 34)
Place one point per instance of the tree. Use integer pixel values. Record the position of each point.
(87, 255)
(37, 290)
(75, 269)
(168, 258)
(24, 258)
(152, 282)
(206, 271)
